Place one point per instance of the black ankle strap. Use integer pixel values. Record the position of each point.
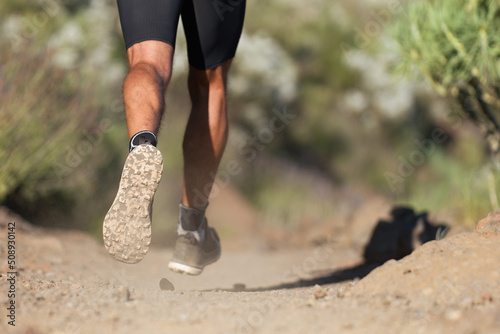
(142, 137)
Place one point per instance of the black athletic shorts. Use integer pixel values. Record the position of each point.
(212, 27)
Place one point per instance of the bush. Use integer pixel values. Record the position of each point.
(52, 127)
(42, 108)
(455, 45)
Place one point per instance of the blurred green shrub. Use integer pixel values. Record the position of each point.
(455, 45)
(60, 102)
(57, 135)
(42, 109)
(457, 182)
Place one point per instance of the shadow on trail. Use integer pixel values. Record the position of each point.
(392, 239)
(336, 276)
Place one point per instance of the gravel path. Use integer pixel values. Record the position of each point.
(67, 283)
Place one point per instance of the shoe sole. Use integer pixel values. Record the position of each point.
(184, 269)
(127, 225)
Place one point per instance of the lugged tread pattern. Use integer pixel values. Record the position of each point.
(127, 225)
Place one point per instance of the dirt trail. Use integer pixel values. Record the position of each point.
(68, 284)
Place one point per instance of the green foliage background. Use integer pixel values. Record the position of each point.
(455, 46)
(451, 41)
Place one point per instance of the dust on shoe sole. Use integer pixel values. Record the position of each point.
(127, 225)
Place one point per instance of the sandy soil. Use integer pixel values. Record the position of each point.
(67, 283)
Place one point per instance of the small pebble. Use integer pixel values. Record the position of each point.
(165, 284)
(487, 297)
(427, 291)
(453, 315)
(122, 294)
(319, 292)
(239, 286)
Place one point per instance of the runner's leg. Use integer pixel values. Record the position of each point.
(150, 70)
(149, 28)
(206, 132)
(212, 38)
(211, 42)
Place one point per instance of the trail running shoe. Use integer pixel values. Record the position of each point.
(127, 226)
(191, 256)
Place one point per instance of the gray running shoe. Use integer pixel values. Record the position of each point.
(191, 256)
(127, 226)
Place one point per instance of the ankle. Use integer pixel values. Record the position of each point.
(142, 137)
(191, 218)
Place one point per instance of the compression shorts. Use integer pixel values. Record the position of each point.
(212, 27)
